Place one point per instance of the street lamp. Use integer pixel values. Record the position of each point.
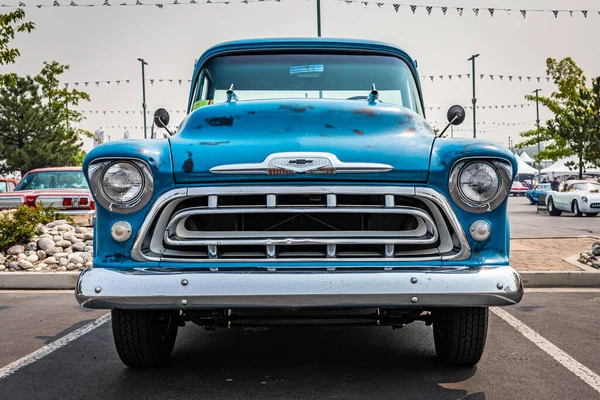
(537, 121)
(144, 63)
(318, 18)
(472, 59)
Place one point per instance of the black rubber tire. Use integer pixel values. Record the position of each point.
(144, 338)
(552, 210)
(460, 334)
(591, 214)
(576, 209)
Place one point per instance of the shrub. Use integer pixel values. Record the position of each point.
(18, 226)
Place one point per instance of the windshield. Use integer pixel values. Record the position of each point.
(3, 187)
(307, 76)
(53, 180)
(592, 187)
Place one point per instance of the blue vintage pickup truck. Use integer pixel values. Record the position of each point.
(304, 186)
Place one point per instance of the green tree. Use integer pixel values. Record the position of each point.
(570, 132)
(35, 130)
(11, 24)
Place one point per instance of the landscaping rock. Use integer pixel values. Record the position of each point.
(64, 228)
(80, 229)
(51, 260)
(46, 236)
(24, 264)
(89, 249)
(22, 256)
(57, 238)
(2, 259)
(38, 269)
(41, 254)
(89, 264)
(41, 230)
(63, 262)
(45, 244)
(13, 265)
(76, 259)
(88, 236)
(78, 246)
(71, 266)
(63, 243)
(33, 258)
(53, 250)
(71, 238)
(61, 255)
(32, 246)
(89, 242)
(56, 223)
(15, 250)
(63, 268)
(595, 250)
(2, 267)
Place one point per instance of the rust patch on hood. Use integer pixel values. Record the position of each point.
(220, 121)
(358, 132)
(214, 143)
(367, 112)
(295, 108)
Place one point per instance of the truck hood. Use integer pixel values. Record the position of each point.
(360, 141)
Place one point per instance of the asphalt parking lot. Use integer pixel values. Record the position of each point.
(305, 362)
(525, 223)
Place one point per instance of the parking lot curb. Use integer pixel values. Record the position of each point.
(550, 279)
(38, 280)
(68, 280)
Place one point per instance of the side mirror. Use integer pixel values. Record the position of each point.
(456, 115)
(161, 118)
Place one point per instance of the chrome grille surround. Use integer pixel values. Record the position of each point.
(163, 235)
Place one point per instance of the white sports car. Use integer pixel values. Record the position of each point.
(578, 197)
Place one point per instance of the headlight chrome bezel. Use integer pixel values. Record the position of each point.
(96, 172)
(504, 170)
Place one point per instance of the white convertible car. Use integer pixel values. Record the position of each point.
(579, 197)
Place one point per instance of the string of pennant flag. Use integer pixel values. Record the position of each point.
(476, 10)
(431, 78)
(492, 11)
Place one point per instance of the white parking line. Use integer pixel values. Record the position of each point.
(583, 372)
(49, 348)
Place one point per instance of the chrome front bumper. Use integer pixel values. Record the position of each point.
(422, 288)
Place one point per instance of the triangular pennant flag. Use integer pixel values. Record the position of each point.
(159, 5)
(547, 79)
(127, 80)
(106, 3)
(501, 76)
(584, 12)
(502, 107)
(429, 8)
(468, 76)
(195, 2)
(476, 11)
(449, 77)
(176, 2)
(118, 82)
(524, 13)
(86, 83)
(76, 84)
(459, 76)
(21, 4)
(571, 13)
(555, 12)
(538, 78)
(97, 83)
(520, 78)
(170, 80)
(160, 80)
(492, 77)
(152, 81)
(56, 4)
(431, 77)
(444, 9)
(348, 1)
(179, 81)
(73, 4)
(481, 76)
(380, 5)
(521, 105)
(139, 3)
(108, 82)
(39, 6)
(396, 7)
(510, 78)
(508, 11)
(365, 4)
(413, 9)
(460, 10)
(529, 78)
(491, 10)
(441, 77)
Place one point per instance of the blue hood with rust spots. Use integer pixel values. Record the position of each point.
(353, 130)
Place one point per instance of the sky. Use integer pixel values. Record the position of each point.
(103, 44)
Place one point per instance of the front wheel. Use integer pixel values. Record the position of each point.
(459, 334)
(576, 209)
(144, 338)
(552, 209)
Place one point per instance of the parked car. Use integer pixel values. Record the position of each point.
(7, 185)
(578, 197)
(517, 189)
(292, 193)
(539, 190)
(63, 188)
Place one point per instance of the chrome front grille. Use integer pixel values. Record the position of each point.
(308, 223)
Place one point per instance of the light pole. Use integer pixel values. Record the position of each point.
(144, 63)
(537, 121)
(474, 101)
(318, 18)
(509, 145)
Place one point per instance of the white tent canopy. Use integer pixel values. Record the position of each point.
(559, 168)
(525, 157)
(524, 168)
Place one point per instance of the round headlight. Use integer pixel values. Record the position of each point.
(122, 182)
(479, 182)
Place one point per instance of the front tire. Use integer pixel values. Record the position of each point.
(460, 334)
(576, 209)
(144, 338)
(552, 209)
